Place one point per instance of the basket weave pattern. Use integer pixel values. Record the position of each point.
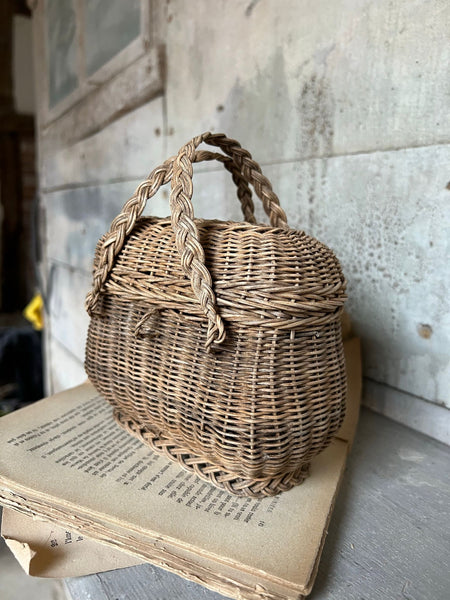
(219, 343)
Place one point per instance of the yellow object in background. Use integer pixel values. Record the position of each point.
(34, 312)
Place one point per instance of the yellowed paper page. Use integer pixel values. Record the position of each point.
(45, 550)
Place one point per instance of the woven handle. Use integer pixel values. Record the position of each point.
(243, 190)
(180, 171)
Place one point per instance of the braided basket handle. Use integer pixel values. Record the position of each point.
(251, 171)
(243, 190)
(180, 171)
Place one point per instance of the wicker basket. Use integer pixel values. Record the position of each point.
(218, 343)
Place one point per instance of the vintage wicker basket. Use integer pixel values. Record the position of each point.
(219, 343)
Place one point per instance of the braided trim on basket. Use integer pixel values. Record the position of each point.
(187, 241)
(186, 234)
(243, 190)
(218, 476)
(124, 223)
(252, 172)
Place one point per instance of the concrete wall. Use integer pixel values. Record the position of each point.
(345, 104)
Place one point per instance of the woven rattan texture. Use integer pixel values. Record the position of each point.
(244, 385)
(268, 486)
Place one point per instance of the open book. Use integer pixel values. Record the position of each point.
(65, 460)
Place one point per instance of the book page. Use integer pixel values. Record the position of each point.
(45, 550)
(70, 450)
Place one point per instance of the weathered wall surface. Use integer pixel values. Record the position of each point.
(346, 106)
(24, 102)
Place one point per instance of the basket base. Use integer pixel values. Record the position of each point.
(217, 476)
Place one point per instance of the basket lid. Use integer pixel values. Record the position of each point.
(260, 273)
